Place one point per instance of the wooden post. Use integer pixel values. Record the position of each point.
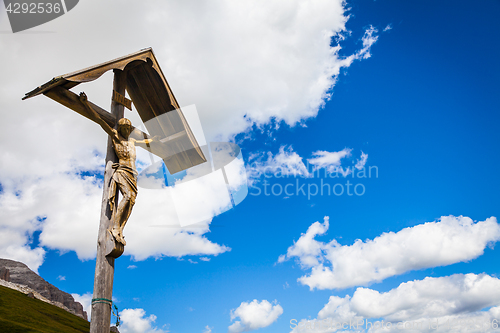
(105, 265)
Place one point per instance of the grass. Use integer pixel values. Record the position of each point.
(21, 314)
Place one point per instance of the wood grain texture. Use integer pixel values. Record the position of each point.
(105, 265)
(71, 100)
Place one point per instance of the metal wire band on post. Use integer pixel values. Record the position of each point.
(102, 300)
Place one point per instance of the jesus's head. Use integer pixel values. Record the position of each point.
(124, 127)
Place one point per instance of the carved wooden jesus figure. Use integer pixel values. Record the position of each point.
(125, 174)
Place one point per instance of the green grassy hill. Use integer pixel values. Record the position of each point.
(21, 314)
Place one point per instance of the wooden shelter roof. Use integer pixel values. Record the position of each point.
(153, 98)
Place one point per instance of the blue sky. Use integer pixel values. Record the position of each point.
(423, 106)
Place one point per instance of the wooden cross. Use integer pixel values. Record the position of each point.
(140, 75)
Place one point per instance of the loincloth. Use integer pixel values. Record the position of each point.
(125, 178)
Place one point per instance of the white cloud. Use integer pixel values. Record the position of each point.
(270, 76)
(70, 205)
(212, 187)
(244, 63)
(282, 69)
(153, 230)
(427, 298)
(286, 162)
(451, 299)
(13, 246)
(131, 266)
(254, 315)
(307, 249)
(86, 301)
(360, 164)
(447, 241)
(209, 194)
(330, 160)
(369, 39)
(135, 321)
(208, 329)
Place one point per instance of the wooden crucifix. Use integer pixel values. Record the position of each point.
(169, 137)
(124, 177)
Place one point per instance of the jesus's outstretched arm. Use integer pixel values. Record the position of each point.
(111, 132)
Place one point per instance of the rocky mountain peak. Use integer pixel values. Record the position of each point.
(18, 273)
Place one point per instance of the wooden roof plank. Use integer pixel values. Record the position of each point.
(151, 95)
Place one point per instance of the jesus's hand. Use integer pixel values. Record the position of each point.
(83, 97)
